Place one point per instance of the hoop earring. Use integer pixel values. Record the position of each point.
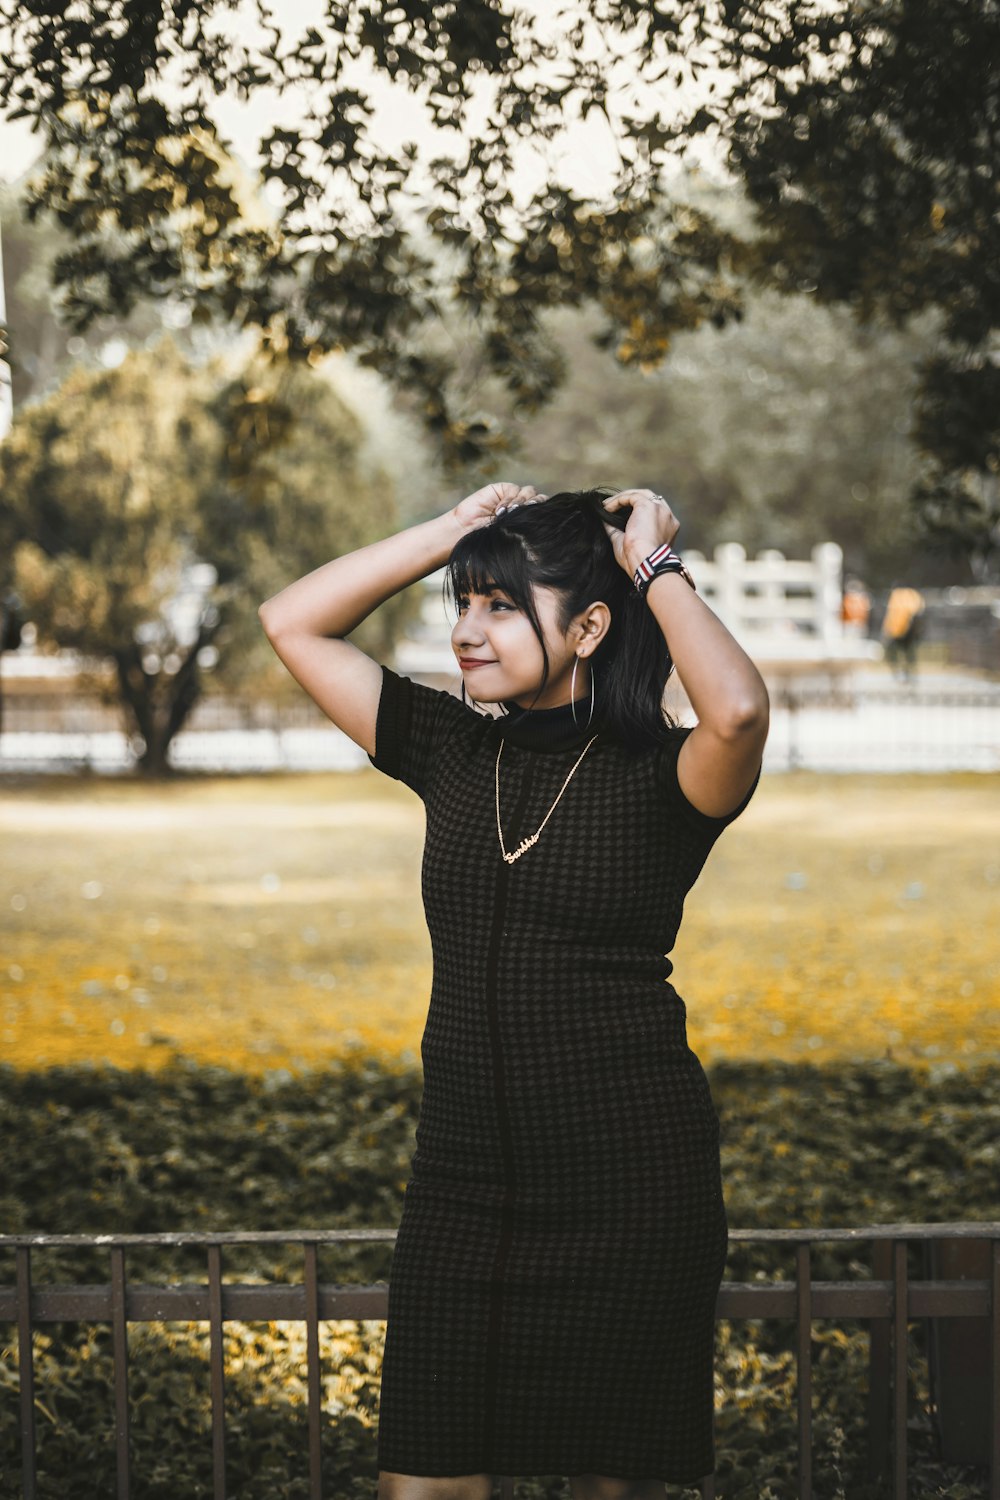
(572, 695)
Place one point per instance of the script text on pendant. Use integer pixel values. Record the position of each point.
(522, 846)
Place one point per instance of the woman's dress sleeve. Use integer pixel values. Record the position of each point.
(670, 790)
(414, 728)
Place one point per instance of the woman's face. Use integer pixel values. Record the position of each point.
(499, 653)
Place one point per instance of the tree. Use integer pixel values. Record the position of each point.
(865, 136)
(120, 484)
(784, 430)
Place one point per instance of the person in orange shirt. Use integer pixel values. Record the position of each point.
(855, 608)
(901, 630)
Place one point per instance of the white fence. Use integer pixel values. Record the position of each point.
(776, 602)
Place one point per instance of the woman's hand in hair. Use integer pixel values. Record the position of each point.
(650, 524)
(479, 508)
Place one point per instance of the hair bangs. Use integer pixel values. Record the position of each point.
(491, 557)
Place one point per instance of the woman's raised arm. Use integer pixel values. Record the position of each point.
(306, 621)
(721, 756)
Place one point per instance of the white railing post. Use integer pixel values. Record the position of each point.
(829, 559)
(730, 559)
(771, 587)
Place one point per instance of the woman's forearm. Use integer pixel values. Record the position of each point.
(334, 598)
(726, 690)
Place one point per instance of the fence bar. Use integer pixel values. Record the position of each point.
(803, 1323)
(879, 1369)
(217, 1364)
(162, 1238)
(708, 1487)
(313, 1373)
(956, 1229)
(506, 1487)
(995, 1405)
(26, 1372)
(899, 1350)
(119, 1346)
(248, 1302)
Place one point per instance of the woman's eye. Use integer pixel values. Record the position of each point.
(462, 605)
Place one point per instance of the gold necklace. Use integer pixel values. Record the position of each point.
(530, 842)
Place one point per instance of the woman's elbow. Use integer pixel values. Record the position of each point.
(746, 717)
(265, 613)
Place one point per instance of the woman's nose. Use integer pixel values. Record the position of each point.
(467, 631)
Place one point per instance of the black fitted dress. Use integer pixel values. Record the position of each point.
(563, 1233)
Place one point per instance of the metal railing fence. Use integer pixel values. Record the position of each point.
(858, 723)
(882, 726)
(889, 1300)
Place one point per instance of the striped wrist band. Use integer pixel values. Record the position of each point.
(662, 560)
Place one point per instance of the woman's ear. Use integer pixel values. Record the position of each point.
(593, 624)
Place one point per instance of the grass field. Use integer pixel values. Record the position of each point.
(274, 921)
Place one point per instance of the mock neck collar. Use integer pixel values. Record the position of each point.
(547, 728)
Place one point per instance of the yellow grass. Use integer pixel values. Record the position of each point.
(275, 921)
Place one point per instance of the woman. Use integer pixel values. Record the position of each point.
(563, 1234)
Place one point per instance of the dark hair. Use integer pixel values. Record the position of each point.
(561, 544)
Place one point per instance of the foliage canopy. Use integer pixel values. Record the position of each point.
(864, 136)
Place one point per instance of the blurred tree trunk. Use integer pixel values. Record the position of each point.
(158, 705)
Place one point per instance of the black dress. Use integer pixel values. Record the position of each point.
(563, 1233)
